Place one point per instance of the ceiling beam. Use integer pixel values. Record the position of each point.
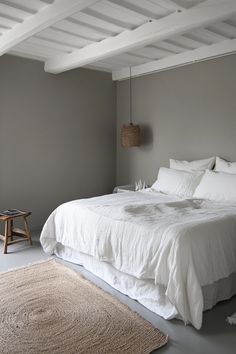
(207, 52)
(177, 23)
(41, 20)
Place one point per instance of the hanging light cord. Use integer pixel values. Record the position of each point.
(130, 97)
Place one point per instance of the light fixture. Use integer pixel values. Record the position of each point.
(130, 134)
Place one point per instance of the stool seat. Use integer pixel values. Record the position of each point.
(11, 231)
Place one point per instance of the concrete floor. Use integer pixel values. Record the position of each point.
(215, 337)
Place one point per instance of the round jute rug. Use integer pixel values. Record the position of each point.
(49, 308)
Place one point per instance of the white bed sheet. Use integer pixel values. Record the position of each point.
(145, 291)
(181, 245)
(151, 295)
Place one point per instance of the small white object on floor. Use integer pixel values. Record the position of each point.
(232, 319)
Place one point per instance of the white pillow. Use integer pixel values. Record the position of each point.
(225, 166)
(181, 183)
(217, 186)
(197, 165)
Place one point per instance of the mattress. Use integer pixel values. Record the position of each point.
(178, 245)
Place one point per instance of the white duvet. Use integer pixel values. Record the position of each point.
(181, 244)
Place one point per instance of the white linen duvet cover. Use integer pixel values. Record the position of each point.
(182, 244)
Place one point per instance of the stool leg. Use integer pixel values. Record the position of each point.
(27, 231)
(6, 237)
(10, 229)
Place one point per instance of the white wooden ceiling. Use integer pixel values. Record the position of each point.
(114, 35)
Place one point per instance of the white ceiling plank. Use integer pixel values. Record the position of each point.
(101, 65)
(26, 55)
(144, 35)
(120, 13)
(99, 68)
(206, 35)
(96, 23)
(3, 27)
(152, 52)
(70, 39)
(9, 23)
(44, 18)
(33, 5)
(38, 49)
(116, 61)
(79, 30)
(130, 59)
(120, 61)
(13, 12)
(58, 41)
(224, 29)
(145, 7)
(173, 48)
(162, 52)
(48, 43)
(186, 42)
(192, 56)
(109, 64)
(146, 52)
(27, 52)
(168, 4)
(186, 4)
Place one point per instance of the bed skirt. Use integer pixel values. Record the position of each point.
(147, 293)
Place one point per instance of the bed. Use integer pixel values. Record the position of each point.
(176, 255)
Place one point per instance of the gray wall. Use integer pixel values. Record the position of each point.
(57, 136)
(185, 113)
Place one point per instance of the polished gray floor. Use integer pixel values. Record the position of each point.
(215, 337)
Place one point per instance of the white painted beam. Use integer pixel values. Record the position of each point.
(43, 19)
(148, 33)
(192, 56)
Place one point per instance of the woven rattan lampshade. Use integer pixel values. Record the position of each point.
(130, 135)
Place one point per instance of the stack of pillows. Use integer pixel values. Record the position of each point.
(197, 179)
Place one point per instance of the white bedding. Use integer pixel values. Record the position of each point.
(180, 244)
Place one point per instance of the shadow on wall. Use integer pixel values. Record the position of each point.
(146, 137)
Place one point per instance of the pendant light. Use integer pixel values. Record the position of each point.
(130, 134)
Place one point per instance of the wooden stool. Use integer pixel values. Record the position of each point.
(10, 231)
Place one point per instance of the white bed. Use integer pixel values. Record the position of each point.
(175, 256)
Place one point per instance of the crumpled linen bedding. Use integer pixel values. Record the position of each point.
(181, 244)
